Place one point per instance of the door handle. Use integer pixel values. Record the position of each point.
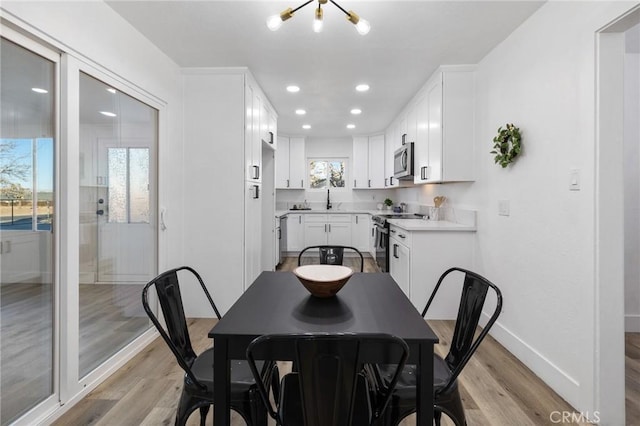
(287, 183)
(256, 194)
(369, 183)
(100, 212)
(395, 251)
(256, 172)
(423, 172)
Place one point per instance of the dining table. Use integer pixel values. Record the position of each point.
(277, 303)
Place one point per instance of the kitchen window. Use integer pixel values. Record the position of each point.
(327, 173)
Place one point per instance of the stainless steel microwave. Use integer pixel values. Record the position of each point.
(403, 162)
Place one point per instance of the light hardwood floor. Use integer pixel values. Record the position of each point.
(497, 389)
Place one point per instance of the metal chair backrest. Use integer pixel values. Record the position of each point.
(176, 334)
(472, 300)
(332, 254)
(329, 365)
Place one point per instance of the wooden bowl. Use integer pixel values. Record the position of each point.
(323, 280)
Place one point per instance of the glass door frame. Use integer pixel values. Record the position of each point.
(52, 401)
(72, 386)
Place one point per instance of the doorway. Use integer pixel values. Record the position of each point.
(611, 87)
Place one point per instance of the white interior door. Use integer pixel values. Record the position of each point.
(125, 219)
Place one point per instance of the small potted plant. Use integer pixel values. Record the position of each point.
(388, 202)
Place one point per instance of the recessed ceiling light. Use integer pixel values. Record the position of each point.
(107, 113)
(362, 87)
(306, 126)
(39, 90)
(301, 112)
(356, 111)
(351, 126)
(111, 90)
(293, 89)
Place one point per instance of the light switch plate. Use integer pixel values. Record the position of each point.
(574, 180)
(503, 208)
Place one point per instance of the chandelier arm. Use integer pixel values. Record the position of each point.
(339, 7)
(301, 6)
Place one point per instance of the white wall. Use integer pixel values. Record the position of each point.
(340, 198)
(632, 180)
(542, 79)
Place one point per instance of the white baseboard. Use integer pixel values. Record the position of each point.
(632, 323)
(560, 381)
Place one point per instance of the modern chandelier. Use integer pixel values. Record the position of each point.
(274, 22)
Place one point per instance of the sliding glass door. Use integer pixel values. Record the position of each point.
(27, 200)
(118, 145)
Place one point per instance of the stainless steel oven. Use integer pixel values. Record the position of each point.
(382, 236)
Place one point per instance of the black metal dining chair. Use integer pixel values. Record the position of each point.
(197, 391)
(328, 388)
(445, 371)
(332, 254)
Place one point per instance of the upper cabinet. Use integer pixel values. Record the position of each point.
(268, 124)
(368, 162)
(444, 117)
(290, 163)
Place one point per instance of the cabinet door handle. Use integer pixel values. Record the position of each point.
(301, 183)
(300, 220)
(393, 231)
(369, 183)
(395, 251)
(329, 227)
(424, 170)
(356, 220)
(287, 183)
(385, 181)
(391, 181)
(271, 138)
(325, 228)
(372, 231)
(256, 193)
(355, 184)
(401, 236)
(256, 172)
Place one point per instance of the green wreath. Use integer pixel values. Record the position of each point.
(507, 145)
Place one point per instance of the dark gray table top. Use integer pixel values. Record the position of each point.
(369, 303)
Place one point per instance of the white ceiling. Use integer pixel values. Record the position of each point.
(407, 42)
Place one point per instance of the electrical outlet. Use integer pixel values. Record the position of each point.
(503, 208)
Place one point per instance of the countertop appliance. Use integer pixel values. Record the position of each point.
(403, 162)
(382, 236)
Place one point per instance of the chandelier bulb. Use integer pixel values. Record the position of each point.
(274, 22)
(317, 22)
(363, 27)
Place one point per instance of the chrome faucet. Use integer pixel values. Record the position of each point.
(328, 201)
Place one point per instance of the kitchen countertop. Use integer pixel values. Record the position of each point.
(431, 225)
(280, 213)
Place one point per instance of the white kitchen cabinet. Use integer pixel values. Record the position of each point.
(295, 233)
(360, 230)
(272, 129)
(400, 264)
(368, 162)
(290, 163)
(320, 229)
(372, 238)
(445, 152)
(252, 142)
(429, 254)
(253, 236)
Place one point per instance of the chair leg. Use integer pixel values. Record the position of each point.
(204, 410)
(437, 417)
(452, 407)
(185, 407)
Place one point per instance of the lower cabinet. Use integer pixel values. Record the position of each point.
(400, 264)
(322, 229)
(418, 258)
(314, 229)
(360, 229)
(295, 232)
